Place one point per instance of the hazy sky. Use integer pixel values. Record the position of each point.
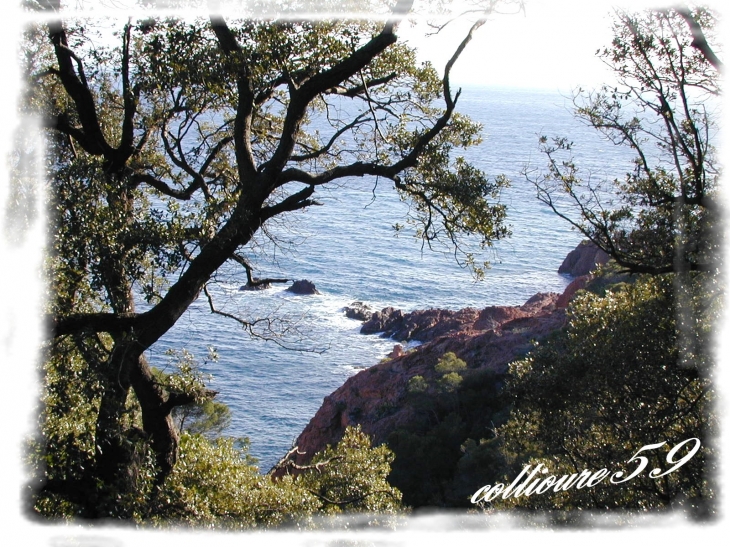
(552, 44)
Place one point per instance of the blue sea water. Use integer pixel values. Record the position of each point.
(276, 383)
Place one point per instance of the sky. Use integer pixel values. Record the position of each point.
(551, 45)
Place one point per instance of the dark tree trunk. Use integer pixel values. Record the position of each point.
(112, 455)
(156, 420)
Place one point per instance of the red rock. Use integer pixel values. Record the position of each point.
(375, 397)
(493, 316)
(577, 284)
(397, 352)
(583, 259)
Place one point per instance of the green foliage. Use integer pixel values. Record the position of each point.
(208, 418)
(352, 477)
(450, 381)
(215, 484)
(425, 461)
(454, 197)
(70, 405)
(613, 382)
(630, 369)
(202, 415)
(449, 367)
(449, 362)
(62, 456)
(186, 377)
(417, 384)
(433, 464)
(480, 463)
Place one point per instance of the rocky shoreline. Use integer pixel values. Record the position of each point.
(488, 339)
(375, 397)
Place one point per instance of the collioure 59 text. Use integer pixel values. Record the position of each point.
(532, 480)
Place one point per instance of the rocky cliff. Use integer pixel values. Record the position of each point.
(376, 398)
(440, 413)
(583, 259)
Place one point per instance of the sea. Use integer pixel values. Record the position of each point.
(274, 374)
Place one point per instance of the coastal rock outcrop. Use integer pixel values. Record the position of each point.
(303, 286)
(419, 325)
(255, 286)
(375, 398)
(583, 259)
(359, 310)
(576, 285)
(380, 321)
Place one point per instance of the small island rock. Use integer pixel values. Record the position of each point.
(255, 287)
(303, 286)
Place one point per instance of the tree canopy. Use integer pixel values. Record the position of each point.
(632, 368)
(173, 148)
(613, 382)
(663, 216)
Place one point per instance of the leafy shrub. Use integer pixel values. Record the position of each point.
(449, 362)
(352, 477)
(615, 381)
(417, 384)
(215, 484)
(450, 382)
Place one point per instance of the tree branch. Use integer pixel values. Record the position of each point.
(296, 201)
(286, 464)
(252, 281)
(198, 180)
(61, 123)
(244, 108)
(699, 41)
(359, 169)
(350, 501)
(163, 187)
(328, 146)
(327, 79)
(356, 169)
(129, 96)
(355, 91)
(93, 322)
